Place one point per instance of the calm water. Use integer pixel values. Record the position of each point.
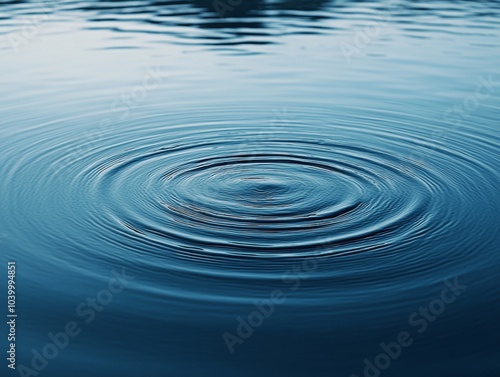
(339, 157)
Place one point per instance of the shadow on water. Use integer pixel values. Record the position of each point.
(223, 22)
(214, 14)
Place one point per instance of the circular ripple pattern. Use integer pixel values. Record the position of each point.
(151, 143)
(236, 199)
(286, 198)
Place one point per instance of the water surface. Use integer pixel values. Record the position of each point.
(343, 154)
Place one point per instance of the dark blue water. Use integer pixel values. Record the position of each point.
(283, 186)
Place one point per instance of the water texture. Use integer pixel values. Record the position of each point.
(329, 165)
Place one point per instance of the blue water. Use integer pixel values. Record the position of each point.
(285, 185)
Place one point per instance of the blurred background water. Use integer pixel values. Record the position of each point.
(341, 153)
